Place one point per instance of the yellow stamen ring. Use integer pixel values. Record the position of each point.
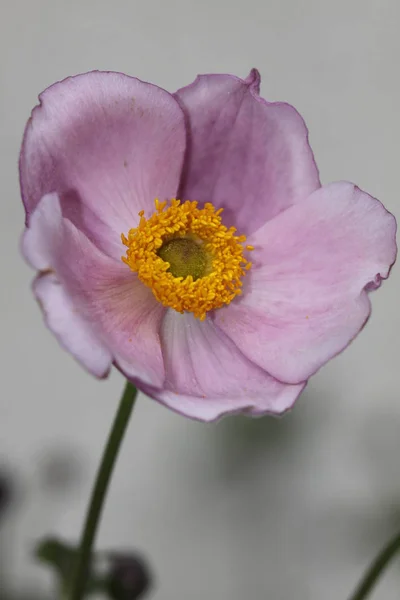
(219, 252)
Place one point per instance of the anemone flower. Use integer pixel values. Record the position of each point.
(186, 239)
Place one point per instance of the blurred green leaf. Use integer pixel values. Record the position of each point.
(61, 556)
(57, 554)
(125, 578)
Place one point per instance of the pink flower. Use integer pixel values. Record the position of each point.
(183, 315)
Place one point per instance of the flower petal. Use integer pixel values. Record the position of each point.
(111, 297)
(207, 377)
(103, 292)
(247, 155)
(45, 229)
(108, 144)
(72, 331)
(306, 296)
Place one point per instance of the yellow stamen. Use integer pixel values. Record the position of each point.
(216, 252)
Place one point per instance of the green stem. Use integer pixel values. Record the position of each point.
(82, 566)
(376, 569)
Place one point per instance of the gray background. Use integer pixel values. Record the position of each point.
(240, 509)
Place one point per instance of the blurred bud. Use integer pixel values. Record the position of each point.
(129, 577)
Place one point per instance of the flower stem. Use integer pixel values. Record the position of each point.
(376, 569)
(82, 565)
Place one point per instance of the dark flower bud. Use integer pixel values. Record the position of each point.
(129, 577)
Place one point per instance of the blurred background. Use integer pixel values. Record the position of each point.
(277, 509)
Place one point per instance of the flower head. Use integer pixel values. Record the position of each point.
(186, 239)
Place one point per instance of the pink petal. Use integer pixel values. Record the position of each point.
(103, 293)
(111, 297)
(247, 155)
(108, 144)
(207, 377)
(72, 331)
(306, 295)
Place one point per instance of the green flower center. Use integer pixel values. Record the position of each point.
(185, 257)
